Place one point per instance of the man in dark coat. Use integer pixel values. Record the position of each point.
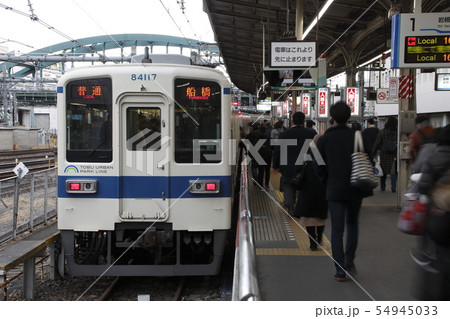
(286, 154)
(344, 201)
(252, 138)
(370, 136)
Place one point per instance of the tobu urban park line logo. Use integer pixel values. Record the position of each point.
(71, 169)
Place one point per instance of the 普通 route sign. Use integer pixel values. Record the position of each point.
(421, 40)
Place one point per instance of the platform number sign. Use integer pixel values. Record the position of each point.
(421, 40)
(353, 100)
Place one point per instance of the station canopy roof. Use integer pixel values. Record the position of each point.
(350, 32)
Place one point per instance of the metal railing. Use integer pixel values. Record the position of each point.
(27, 202)
(247, 284)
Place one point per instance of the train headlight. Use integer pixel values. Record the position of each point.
(81, 186)
(204, 187)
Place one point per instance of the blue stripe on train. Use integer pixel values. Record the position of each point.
(144, 186)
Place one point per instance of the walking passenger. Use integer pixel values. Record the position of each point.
(286, 156)
(252, 138)
(386, 144)
(344, 201)
(277, 129)
(435, 183)
(266, 153)
(370, 136)
(424, 130)
(312, 206)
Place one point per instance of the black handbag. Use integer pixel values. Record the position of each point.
(299, 179)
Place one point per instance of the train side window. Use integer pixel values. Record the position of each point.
(143, 129)
(197, 120)
(88, 120)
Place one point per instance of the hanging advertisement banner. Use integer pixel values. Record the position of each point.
(285, 107)
(352, 98)
(279, 111)
(322, 103)
(306, 104)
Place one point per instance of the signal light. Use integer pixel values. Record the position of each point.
(79, 186)
(75, 186)
(204, 187)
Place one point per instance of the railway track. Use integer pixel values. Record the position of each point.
(34, 160)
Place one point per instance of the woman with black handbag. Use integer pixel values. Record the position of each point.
(386, 144)
(312, 206)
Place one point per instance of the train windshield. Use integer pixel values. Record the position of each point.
(88, 120)
(197, 121)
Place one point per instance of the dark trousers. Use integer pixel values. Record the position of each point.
(263, 175)
(254, 167)
(393, 182)
(344, 214)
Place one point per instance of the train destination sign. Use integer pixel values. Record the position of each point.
(427, 49)
(421, 40)
(89, 90)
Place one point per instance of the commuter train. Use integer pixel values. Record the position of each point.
(145, 169)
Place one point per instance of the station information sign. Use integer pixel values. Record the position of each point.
(295, 54)
(421, 40)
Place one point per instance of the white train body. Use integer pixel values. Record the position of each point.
(144, 169)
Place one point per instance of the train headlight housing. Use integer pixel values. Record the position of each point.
(81, 186)
(204, 187)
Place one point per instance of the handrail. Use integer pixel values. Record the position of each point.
(248, 283)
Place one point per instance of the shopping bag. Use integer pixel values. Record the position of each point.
(412, 218)
(378, 170)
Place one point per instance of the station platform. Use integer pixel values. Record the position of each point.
(23, 251)
(289, 271)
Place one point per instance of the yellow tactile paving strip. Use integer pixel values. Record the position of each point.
(293, 228)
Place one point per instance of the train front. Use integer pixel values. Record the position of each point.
(144, 170)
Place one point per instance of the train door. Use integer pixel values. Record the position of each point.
(144, 157)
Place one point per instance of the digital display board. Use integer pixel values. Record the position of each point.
(427, 49)
(198, 93)
(87, 92)
(420, 40)
(90, 90)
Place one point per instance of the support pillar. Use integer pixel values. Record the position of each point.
(403, 165)
(28, 278)
(3, 290)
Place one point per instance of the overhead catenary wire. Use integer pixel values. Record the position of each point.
(100, 27)
(34, 17)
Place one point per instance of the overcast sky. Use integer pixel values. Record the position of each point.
(86, 18)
